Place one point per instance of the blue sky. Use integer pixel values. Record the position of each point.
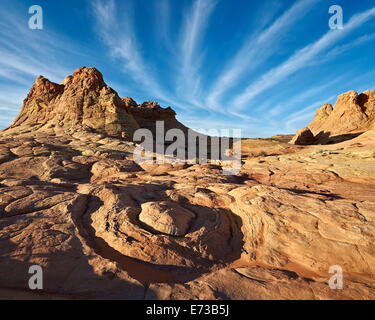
(260, 66)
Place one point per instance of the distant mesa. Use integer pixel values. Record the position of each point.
(352, 115)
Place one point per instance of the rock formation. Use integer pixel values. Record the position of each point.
(353, 114)
(82, 100)
(168, 218)
(74, 202)
(303, 137)
(321, 117)
(147, 113)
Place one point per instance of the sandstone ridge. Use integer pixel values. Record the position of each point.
(83, 101)
(352, 115)
(102, 226)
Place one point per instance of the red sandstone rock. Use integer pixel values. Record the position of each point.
(303, 137)
(73, 201)
(353, 114)
(83, 100)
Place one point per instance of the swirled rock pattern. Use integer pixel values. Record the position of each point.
(167, 217)
(73, 201)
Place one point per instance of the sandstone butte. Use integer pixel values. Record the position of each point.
(352, 115)
(101, 226)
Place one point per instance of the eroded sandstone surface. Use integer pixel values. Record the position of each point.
(102, 226)
(352, 115)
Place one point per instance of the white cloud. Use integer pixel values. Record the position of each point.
(300, 59)
(194, 27)
(24, 55)
(256, 50)
(191, 50)
(162, 7)
(348, 46)
(119, 37)
(303, 96)
(301, 118)
(122, 43)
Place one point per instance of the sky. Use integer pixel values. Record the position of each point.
(260, 66)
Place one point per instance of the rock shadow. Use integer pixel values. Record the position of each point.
(324, 138)
(146, 272)
(67, 275)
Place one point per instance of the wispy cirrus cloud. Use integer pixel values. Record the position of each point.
(191, 50)
(21, 66)
(122, 43)
(24, 55)
(257, 49)
(348, 46)
(300, 59)
(300, 118)
(316, 90)
(193, 55)
(120, 38)
(162, 7)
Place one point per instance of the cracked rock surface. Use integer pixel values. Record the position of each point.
(73, 201)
